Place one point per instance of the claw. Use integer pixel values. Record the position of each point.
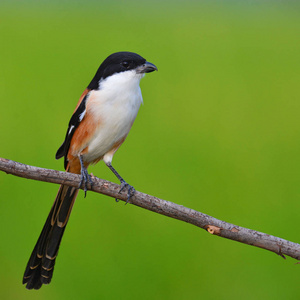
(85, 178)
(130, 192)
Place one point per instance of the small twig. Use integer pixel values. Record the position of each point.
(212, 225)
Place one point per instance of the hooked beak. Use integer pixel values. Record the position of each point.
(147, 67)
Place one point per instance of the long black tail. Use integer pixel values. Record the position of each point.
(40, 266)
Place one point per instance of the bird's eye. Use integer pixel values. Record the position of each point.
(125, 64)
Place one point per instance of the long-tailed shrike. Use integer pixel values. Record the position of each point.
(101, 122)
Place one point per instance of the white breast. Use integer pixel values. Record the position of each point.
(115, 105)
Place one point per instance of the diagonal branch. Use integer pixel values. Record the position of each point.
(212, 225)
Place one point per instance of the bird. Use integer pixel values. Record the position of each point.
(99, 125)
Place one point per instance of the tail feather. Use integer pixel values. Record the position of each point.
(40, 266)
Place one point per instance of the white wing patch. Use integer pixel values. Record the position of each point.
(82, 115)
(70, 130)
(80, 119)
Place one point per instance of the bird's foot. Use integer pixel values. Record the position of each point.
(130, 191)
(85, 179)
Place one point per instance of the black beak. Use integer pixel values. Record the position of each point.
(147, 67)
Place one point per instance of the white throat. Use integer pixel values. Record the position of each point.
(122, 84)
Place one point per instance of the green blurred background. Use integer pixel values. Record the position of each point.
(219, 132)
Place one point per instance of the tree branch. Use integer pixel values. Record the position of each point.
(210, 224)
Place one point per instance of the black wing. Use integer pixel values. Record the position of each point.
(73, 124)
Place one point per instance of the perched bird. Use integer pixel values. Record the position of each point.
(101, 122)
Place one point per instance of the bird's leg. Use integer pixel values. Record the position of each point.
(124, 184)
(85, 177)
